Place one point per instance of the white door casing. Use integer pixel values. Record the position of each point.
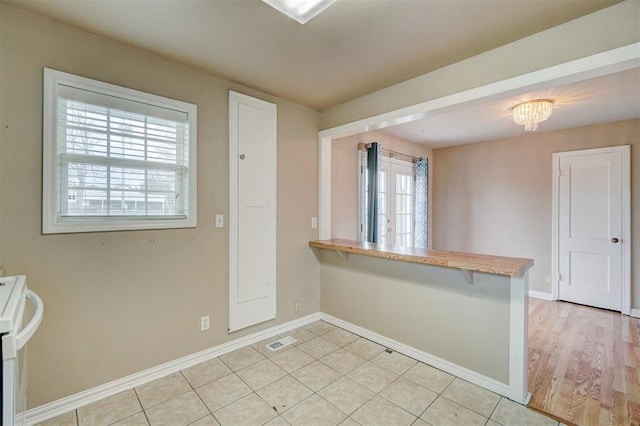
(252, 211)
(591, 229)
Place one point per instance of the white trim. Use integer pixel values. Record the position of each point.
(72, 402)
(518, 335)
(541, 295)
(55, 82)
(635, 313)
(324, 188)
(555, 182)
(625, 152)
(444, 365)
(258, 309)
(626, 229)
(600, 64)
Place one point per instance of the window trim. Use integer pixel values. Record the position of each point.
(51, 223)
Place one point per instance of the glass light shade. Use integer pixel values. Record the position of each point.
(300, 10)
(531, 113)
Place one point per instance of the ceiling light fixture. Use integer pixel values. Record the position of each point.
(300, 10)
(531, 113)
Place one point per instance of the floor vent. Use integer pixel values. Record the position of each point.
(279, 344)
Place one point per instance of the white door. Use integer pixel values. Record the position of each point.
(398, 187)
(396, 201)
(252, 211)
(592, 196)
(403, 202)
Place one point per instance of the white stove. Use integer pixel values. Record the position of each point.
(13, 297)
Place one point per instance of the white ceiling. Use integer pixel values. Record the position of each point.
(353, 48)
(597, 100)
(356, 47)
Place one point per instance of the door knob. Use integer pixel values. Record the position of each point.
(614, 240)
(242, 156)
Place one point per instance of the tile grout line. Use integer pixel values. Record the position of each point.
(395, 380)
(468, 408)
(201, 400)
(439, 394)
(428, 405)
(494, 409)
(473, 411)
(144, 412)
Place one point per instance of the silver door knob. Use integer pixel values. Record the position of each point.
(614, 240)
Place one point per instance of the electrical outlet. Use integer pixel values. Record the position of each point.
(298, 304)
(547, 279)
(204, 323)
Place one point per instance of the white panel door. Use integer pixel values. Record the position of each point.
(252, 211)
(590, 228)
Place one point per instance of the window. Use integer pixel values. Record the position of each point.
(115, 158)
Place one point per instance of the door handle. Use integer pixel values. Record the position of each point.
(614, 240)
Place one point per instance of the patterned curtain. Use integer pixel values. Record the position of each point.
(422, 197)
(373, 165)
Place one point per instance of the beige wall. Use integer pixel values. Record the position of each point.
(495, 197)
(430, 308)
(598, 32)
(344, 177)
(119, 302)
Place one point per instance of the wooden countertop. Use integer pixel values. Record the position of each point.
(511, 266)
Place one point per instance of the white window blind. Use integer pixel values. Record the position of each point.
(117, 162)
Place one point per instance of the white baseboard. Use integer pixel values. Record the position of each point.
(635, 313)
(72, 402)
(449, 367)
(540, 295)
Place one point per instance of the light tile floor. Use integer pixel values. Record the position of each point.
(328, 377)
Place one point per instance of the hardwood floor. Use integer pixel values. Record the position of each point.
(584, 364)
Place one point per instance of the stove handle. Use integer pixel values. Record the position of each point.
(25, 334)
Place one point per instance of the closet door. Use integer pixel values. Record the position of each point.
(252, 211)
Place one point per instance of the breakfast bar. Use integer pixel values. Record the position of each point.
(463, 313)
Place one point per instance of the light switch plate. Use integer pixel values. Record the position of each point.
(219, 221)
(314, 222)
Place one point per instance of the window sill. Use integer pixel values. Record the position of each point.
(100, 225)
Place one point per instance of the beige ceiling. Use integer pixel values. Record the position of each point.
(353, 48)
